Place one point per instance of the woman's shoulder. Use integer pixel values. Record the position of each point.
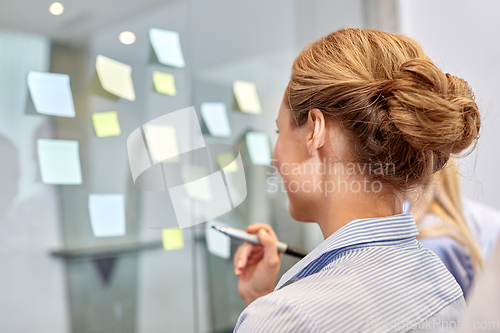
(277, 312)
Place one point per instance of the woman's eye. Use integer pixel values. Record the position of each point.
(277, 131)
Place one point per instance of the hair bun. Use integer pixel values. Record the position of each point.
(394, 104)
(435, 112)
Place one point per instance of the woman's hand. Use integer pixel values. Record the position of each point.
(257, 266)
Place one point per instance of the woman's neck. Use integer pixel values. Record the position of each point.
(342, 210)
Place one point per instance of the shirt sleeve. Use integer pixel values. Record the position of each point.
(273, 314)
(455, 257)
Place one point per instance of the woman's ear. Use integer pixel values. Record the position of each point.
(316, 126)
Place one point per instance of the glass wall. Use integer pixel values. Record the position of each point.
(57, 276)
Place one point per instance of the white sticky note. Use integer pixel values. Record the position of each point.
(258, 148)
(215, 117)
(246, 96)
(115, 77)
(196, 182)
(59, 161)
(107, 214)
(218, 244)
(51, 94)
(162, 143)
(167, 47)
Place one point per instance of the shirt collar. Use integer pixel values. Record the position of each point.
(358, 231)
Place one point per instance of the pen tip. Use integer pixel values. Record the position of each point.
(216, 227)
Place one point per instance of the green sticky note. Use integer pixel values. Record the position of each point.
(164, 83)
(172, 239)
(106, 124)
(258, 148)
(59, 161)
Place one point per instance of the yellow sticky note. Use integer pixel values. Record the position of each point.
(246, 97)
(115, 77)
(172, 239)
(164, 83)
(106, 124)
(227, 162)
(162, 143)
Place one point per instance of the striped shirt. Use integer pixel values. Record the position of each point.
(372, 275)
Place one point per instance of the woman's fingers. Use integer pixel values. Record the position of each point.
(240, 257)
(268, 242)
(254, 228)
(246, 255)
(268, 239)
(256, 256)
(264, 257)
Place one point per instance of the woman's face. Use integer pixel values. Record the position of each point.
(293, 160)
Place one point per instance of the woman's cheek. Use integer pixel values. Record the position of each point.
(284, 160)
(277, 155)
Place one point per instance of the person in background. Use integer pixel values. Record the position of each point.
(484, 223)
(365, 118)
(443, 228)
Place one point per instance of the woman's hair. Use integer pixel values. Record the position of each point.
(441, 197)
(387, 96)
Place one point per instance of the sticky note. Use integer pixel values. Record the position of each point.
(172, 238)
(167, 47)
(215, 117)
(162, 142)
(258, 148)
(51, 94)
(115, 77)
(107, 214)
(59, 161)
(227, 162)
(246, 97)
(164, 83)
(218, 244)
(197, 183)
(106, 124)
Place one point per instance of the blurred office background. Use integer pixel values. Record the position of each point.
(55, 276)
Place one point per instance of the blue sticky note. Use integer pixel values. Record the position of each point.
(51, 94)
(218, 243)
(215, 117)
(59, 161)
(107, 214)
(167, 47)
(258, 148)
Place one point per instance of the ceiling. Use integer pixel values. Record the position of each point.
(80, 18)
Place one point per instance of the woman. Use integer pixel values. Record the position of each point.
(442, 226)
(366, 117)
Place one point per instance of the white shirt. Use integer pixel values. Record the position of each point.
(372, 275)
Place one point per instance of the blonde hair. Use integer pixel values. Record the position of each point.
(394, 104)
(442, 197)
